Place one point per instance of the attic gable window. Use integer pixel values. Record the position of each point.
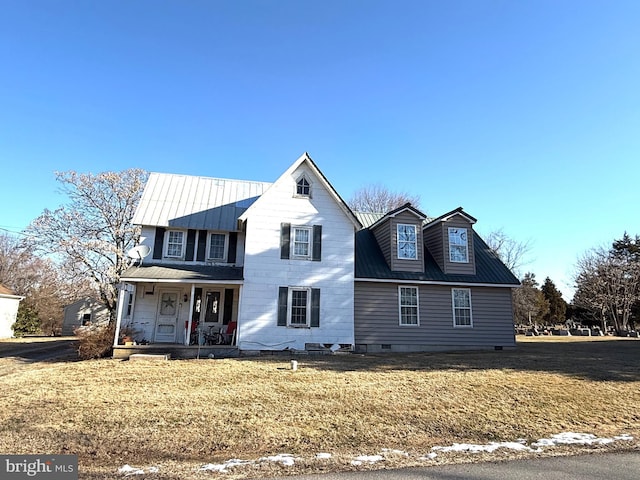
(303, 188)
(458, 245)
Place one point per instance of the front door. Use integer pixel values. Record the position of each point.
(167, 318)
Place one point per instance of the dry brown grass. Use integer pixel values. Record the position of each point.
(182, 414)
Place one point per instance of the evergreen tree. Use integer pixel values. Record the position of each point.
(557, 306)
(27, 321)
(529, 304)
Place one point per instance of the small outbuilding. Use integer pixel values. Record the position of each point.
(82, 313)
(9, 303)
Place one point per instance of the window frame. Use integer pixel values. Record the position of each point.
(414, 241)
(465, 247)
(309, 243)
(168, 243)
(455, 308)
(300, 185)
(307, 307)
(225, 247)
(401, 306)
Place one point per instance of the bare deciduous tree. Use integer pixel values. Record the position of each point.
(91, 235)
(379, 199)
(512, 252)
(40, 281)
(608, 284)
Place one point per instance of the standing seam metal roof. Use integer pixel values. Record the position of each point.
(204, 203)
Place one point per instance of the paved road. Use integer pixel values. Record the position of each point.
(600, 466)
(41, 349)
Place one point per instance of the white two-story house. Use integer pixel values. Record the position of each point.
(274, 261)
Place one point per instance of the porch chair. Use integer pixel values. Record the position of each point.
(228, 333)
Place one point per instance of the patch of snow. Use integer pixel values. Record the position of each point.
(390, 451)
(367, 458)
(284, 458)
(428, 456)
(572, 438)
(489, 447)
(323, 456)
(127, 470)
(154, 469)
(223, 467)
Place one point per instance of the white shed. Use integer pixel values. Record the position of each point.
(84, 312)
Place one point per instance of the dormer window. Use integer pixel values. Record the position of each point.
(458, 245)
(303, 188)
(407, 242)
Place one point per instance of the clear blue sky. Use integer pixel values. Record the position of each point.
(525, 113)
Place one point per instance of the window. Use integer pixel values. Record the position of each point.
(303, 188)
(408, 301)
(175, 243)
(407, 242)
(299, 307)
(458, 247)
(299, 311)
(461, 307)
(217, 243)
(301, 242)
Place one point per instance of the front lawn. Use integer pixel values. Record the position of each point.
(178, 416)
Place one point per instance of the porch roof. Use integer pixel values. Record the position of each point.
(196, 273)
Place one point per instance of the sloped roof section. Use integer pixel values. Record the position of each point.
(305, 158)
(5, 291)
(371, 264)
(190, 272)
(184, 201)
(443, 218)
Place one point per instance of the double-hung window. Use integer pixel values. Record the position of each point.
(298, 307)
(175, 244)
(407, 242)
(217, 243)
(461, 299)
(458, 245)
(302, 242)
(408, 304)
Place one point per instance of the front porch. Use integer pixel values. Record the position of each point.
(177, 351)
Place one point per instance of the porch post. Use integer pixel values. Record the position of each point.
(121, 293)
(238, 328)
(187, 335)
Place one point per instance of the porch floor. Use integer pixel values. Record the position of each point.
(176, 350)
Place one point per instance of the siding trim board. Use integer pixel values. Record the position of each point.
(435, 282)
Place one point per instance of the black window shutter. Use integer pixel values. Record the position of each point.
(285, 234)
(233, 247)
(317, 243)
(283, 296)
(315, 307)
(202, 245)
(191, 245)
(158, 244)
(228, 306)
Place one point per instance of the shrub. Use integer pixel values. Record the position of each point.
(95, 341)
